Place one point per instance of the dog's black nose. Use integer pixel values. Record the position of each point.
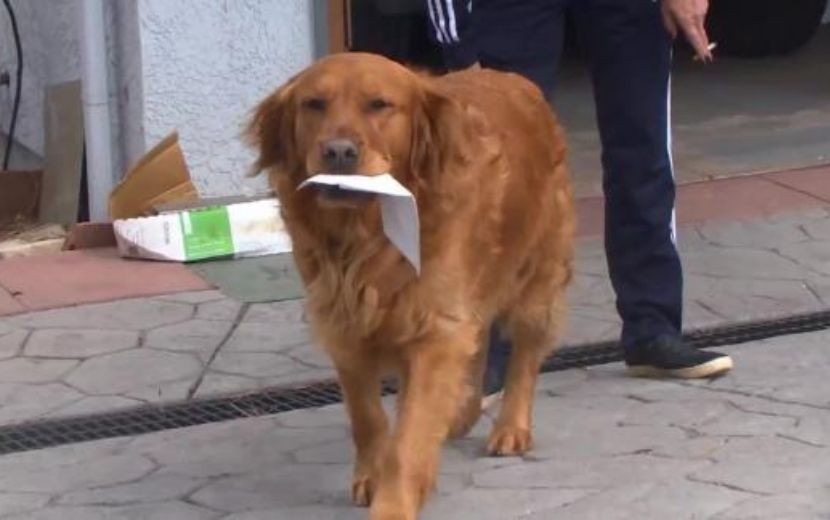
(340, 154)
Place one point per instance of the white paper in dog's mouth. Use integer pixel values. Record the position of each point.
(399, 211)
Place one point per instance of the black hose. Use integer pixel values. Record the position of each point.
(10, 138)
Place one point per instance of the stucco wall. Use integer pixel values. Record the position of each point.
(205, 65)
(48, 33)
(196, 66)
(51, 55)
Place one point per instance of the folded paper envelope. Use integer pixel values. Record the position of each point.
(399, 212)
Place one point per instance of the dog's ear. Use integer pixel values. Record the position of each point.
(271, 130)
(444, 136)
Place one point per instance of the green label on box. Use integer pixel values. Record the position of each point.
(207, 233)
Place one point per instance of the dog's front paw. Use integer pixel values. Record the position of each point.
(508, 441)
(363, 489)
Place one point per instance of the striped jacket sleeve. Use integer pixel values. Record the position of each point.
(451, 27)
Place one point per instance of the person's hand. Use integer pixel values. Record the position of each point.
(689, 16)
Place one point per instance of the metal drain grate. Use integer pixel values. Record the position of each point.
(54, 432)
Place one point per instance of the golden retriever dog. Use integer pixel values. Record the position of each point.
(484, 157)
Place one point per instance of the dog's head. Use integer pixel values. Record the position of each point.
(357, 113)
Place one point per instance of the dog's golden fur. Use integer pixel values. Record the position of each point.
(485, 159)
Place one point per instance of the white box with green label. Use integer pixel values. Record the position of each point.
(218, 231)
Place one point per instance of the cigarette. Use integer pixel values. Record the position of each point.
(712, 46)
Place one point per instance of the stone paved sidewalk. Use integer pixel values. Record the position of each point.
(115, 355)
(754, 444)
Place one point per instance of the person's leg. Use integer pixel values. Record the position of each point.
(524, 37)
(630, 60)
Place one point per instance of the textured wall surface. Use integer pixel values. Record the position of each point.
(51, 55)
(196, 66)
(48, 33)
(205, 64)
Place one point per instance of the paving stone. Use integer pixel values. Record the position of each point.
(266, 337)
(78, 343)
(591, 290)
(154, 488)
(582, 331)
(813, 429)
(753, 234)
(171, 510)
(689, 238)
(739, 423)
(11, 342)
(285, 486)
(5, 326)
(595, 266)
(589, 247)
(253, 364)
(816, 213)
(814, 504)
(132, 370)
(564, 438)
(242, 446)
(15, 503)
(65, 455)
(282, 313)
(339, 452)
(768, 464)
(450, 484)
(310, 355)
(698, 316)
(137, 314)
(608, 385)
(60, 477)
(217, 383)
(161, 393)
(578, 472)
(810, 255)
(607, 446)
(594, 427)
(691, 447)
(24, 370)
(491, 504)
(222, 384)
(696, 413)
(321, 512)
(673, 498)
(820, 287)
(605, 312)
(750, 264)
(322, 417)
(201, 337)
(772, 369)
(224, 309)
(194, 297)
(744, 300)
(818, 229)
(300, 375)
(95, 404)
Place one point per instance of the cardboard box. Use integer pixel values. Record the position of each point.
(237, 230)
(19, 195)
(158, 215)
(159, 177)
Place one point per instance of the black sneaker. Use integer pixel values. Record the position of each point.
(670, 357)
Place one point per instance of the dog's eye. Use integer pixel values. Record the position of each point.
(378, 104)
(315, 104)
